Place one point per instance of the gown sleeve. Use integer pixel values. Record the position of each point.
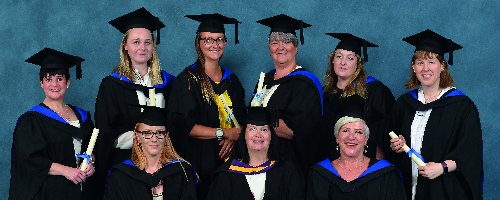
(114, 189)
(219, 189)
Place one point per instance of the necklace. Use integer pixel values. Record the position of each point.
(293, 69)
(362, 162)
(60, 114)
(432, 98)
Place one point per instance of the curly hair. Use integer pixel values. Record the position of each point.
(445, 78)
(206, 87)
(45, 73)
(241, 151)
(356, 85)
(124, 68)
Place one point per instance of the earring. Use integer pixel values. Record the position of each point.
(138, 144)
(67, 87)
(337, 147)
(366, 149)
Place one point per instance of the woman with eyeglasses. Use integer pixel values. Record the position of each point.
(207, 134)
(155, 170)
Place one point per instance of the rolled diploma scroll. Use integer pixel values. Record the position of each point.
(221, 96)
(406, 148)
(255, 101)
(152, 97)
(90, 148)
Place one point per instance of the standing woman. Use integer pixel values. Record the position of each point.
(48, 137)
(346, 76)
(206, 133)
(440, 123)
(294, 90)
(137, 71)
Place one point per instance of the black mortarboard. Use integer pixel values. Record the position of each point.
(352, 43)
(140, 18)
(432, 42)
(260, 116)
(52, 59)
(357, 107)
(214, 23)
(284, 23)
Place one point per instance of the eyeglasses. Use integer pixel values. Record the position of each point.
(210, 41)
(149, 134)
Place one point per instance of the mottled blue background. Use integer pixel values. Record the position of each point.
(81, 28)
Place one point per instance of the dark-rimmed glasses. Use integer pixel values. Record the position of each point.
(149, 134)
(219, 41)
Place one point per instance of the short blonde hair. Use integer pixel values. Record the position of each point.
(347, 119)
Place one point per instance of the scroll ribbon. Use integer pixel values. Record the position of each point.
(412, 151)
(84, 155)
(417, 158)
(258, 96)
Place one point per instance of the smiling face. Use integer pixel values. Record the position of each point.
(428, 70)
(139, 46)
(344, 64)
(54, 86)
(153, 146)
(282, 48)
(213, 50)
(258, 138)
(352, 139)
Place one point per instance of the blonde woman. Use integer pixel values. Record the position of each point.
(155, 169)
(137, 72)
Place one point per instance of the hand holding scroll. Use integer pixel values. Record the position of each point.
(399, 144)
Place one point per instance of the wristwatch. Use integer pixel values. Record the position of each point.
(219, 133)
(445, 168)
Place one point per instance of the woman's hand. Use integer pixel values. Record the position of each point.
(90, 170)
(397, 144)
(231, 133)
(431, 170)
(227, 148)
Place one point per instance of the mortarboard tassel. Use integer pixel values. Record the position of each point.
(301, 32)
(158, 31)
(365, 53)
(450, 60)
(236, 41)
(78, 68)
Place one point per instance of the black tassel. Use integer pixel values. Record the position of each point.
(450, 60)
(158, 31)
(78, 68)
(365, 53)
(274, 117)
(301, 32)
(236, 40)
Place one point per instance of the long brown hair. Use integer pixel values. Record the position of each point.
(125, 69)
(206, 87)
(445, 78)
(330, 80)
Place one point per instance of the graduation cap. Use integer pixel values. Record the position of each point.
(284, 23)
(432, 42)
(352, 43)
(260, 116)
(355, 106)
(214, 23)
(140, 18)
(52, 59)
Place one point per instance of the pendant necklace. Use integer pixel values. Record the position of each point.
(60, 114)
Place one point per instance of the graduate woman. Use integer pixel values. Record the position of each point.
(207, 134)
(49, 136)
(155, 170)
(292, 89)
(346, 76)
(353, 175)
(137, 71)
(257, 171)
(439, 122)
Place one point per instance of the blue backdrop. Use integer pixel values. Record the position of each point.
(80, 28)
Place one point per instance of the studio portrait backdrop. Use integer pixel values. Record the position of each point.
(81, 28)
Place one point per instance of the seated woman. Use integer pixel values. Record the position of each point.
(153, 165)
(257, 171)
(353, 175)
(48, 137)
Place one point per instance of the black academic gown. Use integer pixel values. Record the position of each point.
(284, 181)
(114, 115)
(379, 97)
(380, 181)
(299, 98)
(126, 181)
(453, 132)
(187, 100)
(42, 137)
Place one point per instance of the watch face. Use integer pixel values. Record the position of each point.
(219, 132)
